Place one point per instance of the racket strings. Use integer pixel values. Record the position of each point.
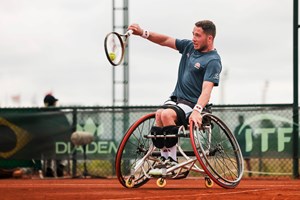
(115, 47)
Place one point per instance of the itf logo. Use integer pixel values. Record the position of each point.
(270, 130)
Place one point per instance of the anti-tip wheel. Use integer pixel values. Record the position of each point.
(129, 183)
(208, 182)
(161, 182)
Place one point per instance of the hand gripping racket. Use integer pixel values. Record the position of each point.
(114, 45)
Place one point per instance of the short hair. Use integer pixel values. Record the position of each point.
(208, 27)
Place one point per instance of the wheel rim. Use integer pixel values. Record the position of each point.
(132, 149)
(221, 158)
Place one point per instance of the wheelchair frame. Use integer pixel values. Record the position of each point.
(215, 154)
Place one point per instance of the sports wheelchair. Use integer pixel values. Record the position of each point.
(211, 150)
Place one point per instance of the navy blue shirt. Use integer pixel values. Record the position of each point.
(194, 68)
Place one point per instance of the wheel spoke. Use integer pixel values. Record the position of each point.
(130, 162)
(218, 152)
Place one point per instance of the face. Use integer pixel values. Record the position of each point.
(201, 41)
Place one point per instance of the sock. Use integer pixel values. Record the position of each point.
(164, 152)
(173, 152)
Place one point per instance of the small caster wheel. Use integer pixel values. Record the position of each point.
(129, 182)
(161, 182)
(208, 182)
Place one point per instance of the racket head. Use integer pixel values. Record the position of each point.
(114, 48)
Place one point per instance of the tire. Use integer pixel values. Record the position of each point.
(218, 153)
(133, 147)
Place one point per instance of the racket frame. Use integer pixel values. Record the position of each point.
(122, 42)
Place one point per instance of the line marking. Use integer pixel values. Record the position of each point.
(192, 195)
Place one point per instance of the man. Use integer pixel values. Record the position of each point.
(241, 132)
(62, 125)
(199, 71)
(50, 100)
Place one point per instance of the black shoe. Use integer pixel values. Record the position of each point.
(49, 172)
(171, 162)
(60, 170)
(162, 160)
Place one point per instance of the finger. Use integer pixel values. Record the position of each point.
(134, 28)
(194, 122)
(195, 125)
(199, 124)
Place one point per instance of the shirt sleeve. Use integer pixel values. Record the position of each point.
(213, 71)
(181, 44)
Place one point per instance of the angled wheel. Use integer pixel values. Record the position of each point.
(161, 182)
(132, 162)
(217, 151)
(129, 183)
(208, 182)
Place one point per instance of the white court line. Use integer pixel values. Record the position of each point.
(113, 184)
(165, 197)
(54, 184)
(177, 196)
(285, 185)
(192, 195)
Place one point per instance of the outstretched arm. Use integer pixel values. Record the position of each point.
(157, 38)
(202, 101)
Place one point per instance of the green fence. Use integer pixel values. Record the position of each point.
(30, 136)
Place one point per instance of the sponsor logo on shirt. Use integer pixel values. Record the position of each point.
(197, 65)
(216, 76)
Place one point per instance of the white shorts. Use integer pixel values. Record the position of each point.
(187, 109)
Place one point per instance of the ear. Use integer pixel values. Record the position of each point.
(210, 38)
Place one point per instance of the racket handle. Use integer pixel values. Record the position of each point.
(128, 33)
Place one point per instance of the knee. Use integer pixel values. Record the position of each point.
(167, 115)
(158, 117)
(158, 114)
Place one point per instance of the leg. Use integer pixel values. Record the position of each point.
(168, 117)
(49, 168)
(247, 160)
(158, 121)
(172, 116)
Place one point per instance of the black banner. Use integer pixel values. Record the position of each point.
(32, 135)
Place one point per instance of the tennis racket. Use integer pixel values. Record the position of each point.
(115, 45)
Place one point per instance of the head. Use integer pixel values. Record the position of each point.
(50, 100)
(203, 35)
(241, 119)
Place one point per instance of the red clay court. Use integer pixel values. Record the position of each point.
(190, 188)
